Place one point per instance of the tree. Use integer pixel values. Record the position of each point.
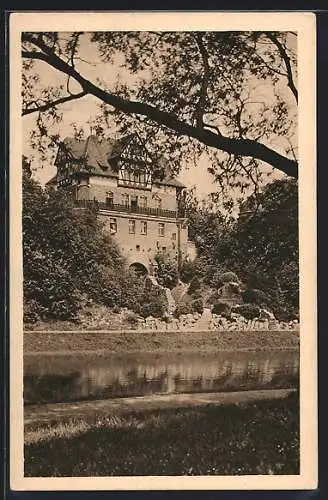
(191, 92)
(70, 261)
(65, 253)
(167, 273)
(261, 246)
(210, 229)
(266, 238)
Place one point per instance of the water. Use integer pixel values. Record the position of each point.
(59, 378)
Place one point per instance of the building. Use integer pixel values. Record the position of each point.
(137, 199)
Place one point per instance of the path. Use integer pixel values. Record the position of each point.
(204, 321)
(64, 411)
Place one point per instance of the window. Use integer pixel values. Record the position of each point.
(142, 201)
(132, 226)
(158, 203)
(143, 227)
(142, 178)
(138, 248)
(109, 199)
(134, 202)
(161, 229)
(164, 249)
(113, 226)
(135, 177)
(129, 176)
(174, 236)
(125, 200)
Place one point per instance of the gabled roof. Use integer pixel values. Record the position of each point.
(169, 181)
(96, 155)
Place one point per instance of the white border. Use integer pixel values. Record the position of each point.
(304, 24)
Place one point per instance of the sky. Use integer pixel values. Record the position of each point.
(83, 110)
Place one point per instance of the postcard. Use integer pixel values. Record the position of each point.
(162, 251)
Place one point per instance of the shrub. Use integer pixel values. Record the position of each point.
(213, 276)
(196, 294)
(131, 318)
(197, 305)
(167, 271)
(228, 277)
(183, 308)
(107, 287)
(32, 311)
(221, 308)
(188, 271)
(258, 297)
(152, 303)
(217, 278)
(249, 311)
(212, 298)
(194, 285)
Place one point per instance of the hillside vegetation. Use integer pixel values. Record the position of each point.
(71, 264)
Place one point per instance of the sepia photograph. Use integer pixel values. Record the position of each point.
(162, 207)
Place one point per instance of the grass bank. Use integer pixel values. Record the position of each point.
(249, 438)
(44, 416)
(152, 341)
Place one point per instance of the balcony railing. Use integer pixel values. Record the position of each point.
(131, 209)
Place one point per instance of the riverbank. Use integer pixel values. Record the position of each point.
(233, 439)
(88, 411)
(65, 342)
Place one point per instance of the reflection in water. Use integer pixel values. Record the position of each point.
(69, 378)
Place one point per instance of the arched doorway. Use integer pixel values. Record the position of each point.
(139, 269)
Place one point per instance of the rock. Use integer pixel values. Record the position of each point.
(171, 305)
(151, 282)
(265, 314)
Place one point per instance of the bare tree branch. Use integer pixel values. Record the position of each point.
(285, 58)
(200, 108)
(241, 147)
(52, 104)
(213, 127)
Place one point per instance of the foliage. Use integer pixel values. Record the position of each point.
(187, 271)
(68, 259)
(152, 302)
(221, 308)
(194, 285)
(260, 247)
(183, 308)
(228, 277)
(257, 297)
(167, 271)
(197, 305)
(184, 93)
(249, 311)
(268, 241)
(131, 318)
(219, 278)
